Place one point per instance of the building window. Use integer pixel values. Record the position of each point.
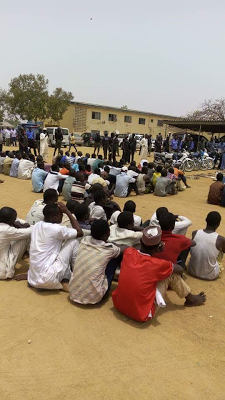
(142, 121)
(128, 119)
(112, 117)
(160, 122)
(151, 120)
(96, 115)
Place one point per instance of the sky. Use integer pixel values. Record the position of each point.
(164, 56)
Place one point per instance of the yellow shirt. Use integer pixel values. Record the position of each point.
(155, 176)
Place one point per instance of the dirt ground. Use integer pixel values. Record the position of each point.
(94, 352)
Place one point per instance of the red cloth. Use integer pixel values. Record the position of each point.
(139, 274)
(64, 171)
(174, 245)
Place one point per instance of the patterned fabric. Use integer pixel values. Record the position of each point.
(88, 283)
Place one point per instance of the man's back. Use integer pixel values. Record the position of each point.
(122, 183)
(161, 185)
(215, 193)
(204, 256)
(136, 291)
(174, 245)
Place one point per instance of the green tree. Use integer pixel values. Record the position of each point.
(58, 103)
(27, 97)
(2, 104)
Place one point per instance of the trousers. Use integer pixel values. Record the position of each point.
(176, 283)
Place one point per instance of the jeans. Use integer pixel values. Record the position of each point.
(110, 271)
(13, 141)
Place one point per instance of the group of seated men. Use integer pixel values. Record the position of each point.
(73, 175)
(82, 246)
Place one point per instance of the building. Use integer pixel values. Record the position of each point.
(85, 117)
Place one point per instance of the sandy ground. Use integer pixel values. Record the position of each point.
(97, 353)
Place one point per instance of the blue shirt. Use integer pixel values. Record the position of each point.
(38, 178)
(30, 135)
(75, 167)
(174, 144)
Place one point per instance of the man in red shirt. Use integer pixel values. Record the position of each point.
(144, 279)
(177, 247)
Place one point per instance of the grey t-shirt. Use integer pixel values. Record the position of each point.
(161, 185)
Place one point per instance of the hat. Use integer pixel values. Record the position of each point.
(151, 235)
(124, 169)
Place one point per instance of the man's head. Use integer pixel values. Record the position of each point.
(159, 168)
(55, 168)
(144, 170)
(67, 165)
(151, 165)
(219, 177)
(8, 215)
(124, 169)
(72, 173)
(107, 169)
(79, 153)
(151, 240)
(40, 165)
(130, 206)
(39, 159)
(72, 205)
(97, 171)
(88, 168)
(79, 177)
(213, 219)
(67, 153)
(100, 230)
(87, 155)
(50, 196)
(96, 187)
(18, 155)
(100, 157)
(125, 220)
(171, 170)
(100, 198)
(10, 155)
(82, 212)
(167, 221)
(52, 213)
(164, 173)
(105, 133)
(93, 155)
(160, 211)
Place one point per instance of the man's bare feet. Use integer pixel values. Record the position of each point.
(193, 300)
(65, 287)
(20, 277)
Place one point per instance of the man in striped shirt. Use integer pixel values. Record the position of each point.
(94, 267)
(78, 189)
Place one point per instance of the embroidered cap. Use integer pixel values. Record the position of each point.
(151, 235)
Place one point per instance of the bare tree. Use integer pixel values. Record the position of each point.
(210, 110)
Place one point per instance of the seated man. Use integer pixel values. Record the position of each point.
(14, 238)
(53, 178)
(15, 165)
(36, 212)
(96, 207)
(7, 163)
(38, 177)
(216, 190)
(79, 188)
(156, 174)
(144, 280)
(181, 224)
(96, 178)
(26, 167)
(66, 190)
(94, 268)
(128, 206)
(180, 174)
(124, 184)
(82, 214)
(124, 231)
(53, 249)
(164, 185)
(176, 246)
(208, 252)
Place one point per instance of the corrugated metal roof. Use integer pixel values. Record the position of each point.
(128, 110)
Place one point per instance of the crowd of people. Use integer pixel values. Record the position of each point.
(81, 246)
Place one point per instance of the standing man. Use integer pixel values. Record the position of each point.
(1, 139)
(31, 141)
(97, 144)
(23, 141)
(72, 141)
(149, 145)
(13, 137)
(133, 144)
(7, 137)
(105, 145)
(58, 140)
(113, 145)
